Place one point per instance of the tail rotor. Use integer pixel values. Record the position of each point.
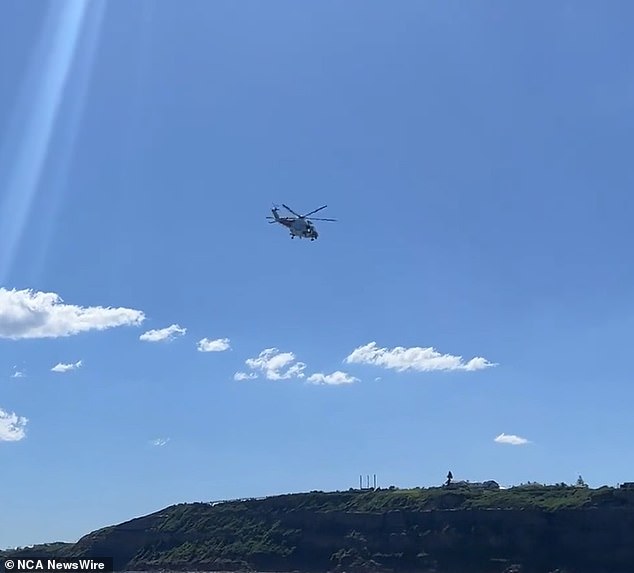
(274, 209)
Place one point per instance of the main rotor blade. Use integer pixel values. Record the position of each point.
(318, 219)
(315, 211)
(291, 210)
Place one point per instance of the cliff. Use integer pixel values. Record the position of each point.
(453, 530)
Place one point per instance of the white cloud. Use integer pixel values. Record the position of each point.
(17, 373)
(66, 367)
(415, 358)
(335, 378)
(218, 345)
(272, 362)
(244, 376)
(160, 442)
(30, 314)
(12, 427)
(511, 440)
(163, 334)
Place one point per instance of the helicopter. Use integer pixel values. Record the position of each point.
(299, 225)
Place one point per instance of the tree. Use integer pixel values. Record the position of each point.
(581, 483)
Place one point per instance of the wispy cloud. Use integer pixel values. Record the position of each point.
(12, 427)
(218, 345)
(415, 358)
(334, 379)
(244, 376)
(159, 442)
(163, 334)
(30, 314)
(275, 365)
(18, 373)
(66, 367)
(511, 439)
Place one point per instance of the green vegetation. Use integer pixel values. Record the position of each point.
(529, 496)
(227, 533)
(385, 529)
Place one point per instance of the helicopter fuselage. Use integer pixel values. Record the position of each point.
(298, 227)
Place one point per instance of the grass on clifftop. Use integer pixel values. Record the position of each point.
(531, 496)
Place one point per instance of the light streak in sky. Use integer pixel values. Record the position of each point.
(27, 145)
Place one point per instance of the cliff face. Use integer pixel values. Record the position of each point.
(482, 540)
(454, 532)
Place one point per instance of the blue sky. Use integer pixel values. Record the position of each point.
(477, 157)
